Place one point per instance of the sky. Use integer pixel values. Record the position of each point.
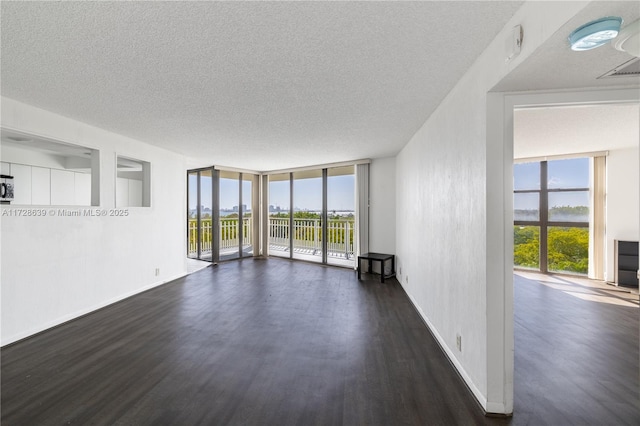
(307, 193)
(571, 173)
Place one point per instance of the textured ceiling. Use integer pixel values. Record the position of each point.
(261, 85)
(555, 66)
(540, 132)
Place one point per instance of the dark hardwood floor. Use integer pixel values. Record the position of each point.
(576, 354)
(278, 342)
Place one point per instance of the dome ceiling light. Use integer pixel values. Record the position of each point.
(595, 33)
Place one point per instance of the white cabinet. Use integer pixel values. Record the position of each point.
(82, 189)
(40, 186)
(62, 188)
(44, 186)
(21, 184)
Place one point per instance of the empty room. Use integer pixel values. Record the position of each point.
(331, 213)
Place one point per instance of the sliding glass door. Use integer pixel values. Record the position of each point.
(340, 215)
(229, 223)
(279, 214)
(311, 215)
(307, 215)
(246, 211)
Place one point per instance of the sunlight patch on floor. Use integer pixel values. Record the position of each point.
(585, 289)
(601, 299)
(194, 265)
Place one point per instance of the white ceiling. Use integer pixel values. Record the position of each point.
(260, 85)
(540, 132)
(266, 86)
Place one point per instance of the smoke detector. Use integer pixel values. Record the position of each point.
(628, 39)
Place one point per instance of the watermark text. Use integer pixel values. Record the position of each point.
(63, 212)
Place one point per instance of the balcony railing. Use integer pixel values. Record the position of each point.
(228, 235)
(307, 236)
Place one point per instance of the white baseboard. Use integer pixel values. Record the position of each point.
(482, 399)
(77, 314)
(496, 408)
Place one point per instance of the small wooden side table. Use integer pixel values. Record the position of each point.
(378, 257)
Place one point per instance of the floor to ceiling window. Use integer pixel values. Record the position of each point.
(279, 214)
(551, 215)
(307, 215)
(246, 211)
(340, 215)
(220, 223)
(200, 205)
(229, 223)
(312, 215)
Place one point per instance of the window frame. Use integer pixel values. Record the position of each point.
(544, 223)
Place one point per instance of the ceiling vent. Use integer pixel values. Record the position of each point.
(628, 69)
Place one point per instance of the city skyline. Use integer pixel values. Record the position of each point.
(307, 193)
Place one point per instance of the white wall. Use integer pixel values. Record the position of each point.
(450, 217)
(623, 201)
(55, 268)
(382, 205)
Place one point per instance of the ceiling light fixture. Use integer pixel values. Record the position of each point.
(595, 33)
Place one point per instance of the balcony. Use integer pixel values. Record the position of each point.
(228, 236)
(307, 238)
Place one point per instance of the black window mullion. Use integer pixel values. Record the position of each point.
(291, 215)
(525, 223)
(568, 224)
(323, 230)
(544, 217)
(199, 219)
(568, 190)
(240, 229)
(215, 215)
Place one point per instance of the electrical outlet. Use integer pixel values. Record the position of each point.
(157, 271)
(400, 271)
(407, 279)
(459, 342)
